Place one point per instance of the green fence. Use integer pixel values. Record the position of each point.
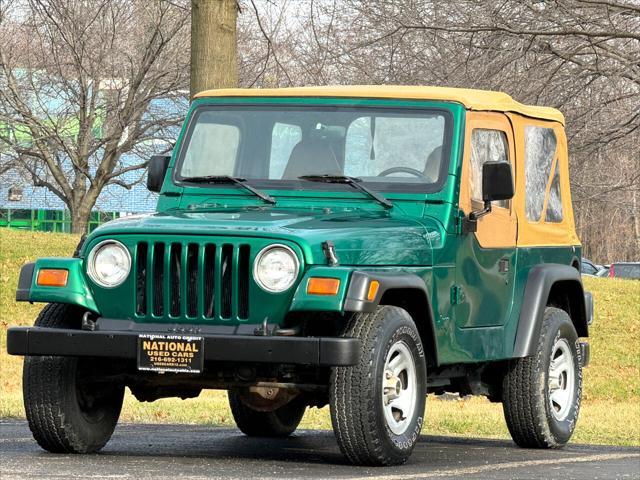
(48, 220)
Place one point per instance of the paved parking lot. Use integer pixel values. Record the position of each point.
(187, 451)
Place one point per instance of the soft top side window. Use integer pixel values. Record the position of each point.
(543, 199)
(486, 145)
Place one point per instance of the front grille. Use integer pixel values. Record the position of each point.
(192, 280)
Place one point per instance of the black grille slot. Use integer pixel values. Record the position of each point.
(175, 264)
(243, 282)
(192, 280)
(141, 279)
(158, 279)
(227, 276)
(209, 280)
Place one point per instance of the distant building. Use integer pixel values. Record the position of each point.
(24, 206)
(35, 208)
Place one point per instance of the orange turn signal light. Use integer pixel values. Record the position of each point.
(323, 286)
(374, 286)
(52, 277)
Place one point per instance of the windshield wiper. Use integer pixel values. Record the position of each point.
(355, 182)
(229, 179)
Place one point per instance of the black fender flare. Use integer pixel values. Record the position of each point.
(540, 282)
(24, 282)
(356, 301)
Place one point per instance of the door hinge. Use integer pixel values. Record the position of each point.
(457, 295)
(465, 224)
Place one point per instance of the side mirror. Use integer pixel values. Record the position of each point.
(497, 184)
(497, 181)
(158, 165)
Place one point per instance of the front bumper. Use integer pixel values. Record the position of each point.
(314, 351)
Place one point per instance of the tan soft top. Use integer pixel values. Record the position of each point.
(481, 100)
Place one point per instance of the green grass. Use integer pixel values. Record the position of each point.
(611, 404)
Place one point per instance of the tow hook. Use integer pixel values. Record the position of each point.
(87, 323)
(263, 330)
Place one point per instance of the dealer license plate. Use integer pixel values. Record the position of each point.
(170, 353)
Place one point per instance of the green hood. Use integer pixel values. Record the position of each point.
(361, 237)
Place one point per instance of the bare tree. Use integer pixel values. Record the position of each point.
(113, 59)
(82, 84)
(581, 56)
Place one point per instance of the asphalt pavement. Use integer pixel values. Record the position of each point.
(187, 451)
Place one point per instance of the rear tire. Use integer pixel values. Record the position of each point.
(541, 393)
(66, 411)
(377, 406)
(281, 422)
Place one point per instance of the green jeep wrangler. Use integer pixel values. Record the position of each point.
(359, 247)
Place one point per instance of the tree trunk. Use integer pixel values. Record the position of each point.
(80, 216)
(635, 215)
(213, 45)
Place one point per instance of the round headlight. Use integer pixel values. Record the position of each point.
(109, 263)
(276, 268)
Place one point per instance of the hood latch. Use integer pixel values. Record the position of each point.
(329, 250)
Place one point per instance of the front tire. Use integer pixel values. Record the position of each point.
(377, 406)
(541, 393)
(67, 411)
(280, 422)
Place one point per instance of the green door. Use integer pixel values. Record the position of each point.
(486, 259)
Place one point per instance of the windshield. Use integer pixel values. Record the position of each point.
(278, 145)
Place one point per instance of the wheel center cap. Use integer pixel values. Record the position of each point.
(392, 387)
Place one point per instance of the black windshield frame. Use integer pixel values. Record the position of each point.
(300, 185)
